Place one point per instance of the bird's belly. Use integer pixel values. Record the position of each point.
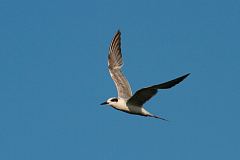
(137, 110)
(132, 109)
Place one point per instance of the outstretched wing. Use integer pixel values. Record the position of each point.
(115, 64)
(144, 94)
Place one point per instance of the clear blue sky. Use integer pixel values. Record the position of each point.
(53, 66)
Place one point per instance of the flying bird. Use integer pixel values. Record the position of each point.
(125, 101)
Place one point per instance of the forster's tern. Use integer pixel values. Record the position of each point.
(125, 101)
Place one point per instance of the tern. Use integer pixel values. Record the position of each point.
(125, 101)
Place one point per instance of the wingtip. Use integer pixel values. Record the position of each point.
(186, 75)
(118, 31)
(116, 36)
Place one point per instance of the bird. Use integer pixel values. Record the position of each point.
(126, 101)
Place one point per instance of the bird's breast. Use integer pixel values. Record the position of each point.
(121, 106)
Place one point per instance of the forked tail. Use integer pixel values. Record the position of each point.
(154, 116)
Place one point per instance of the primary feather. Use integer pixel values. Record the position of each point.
(115, 64)
(144, 94)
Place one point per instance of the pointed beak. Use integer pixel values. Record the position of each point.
(104, 103)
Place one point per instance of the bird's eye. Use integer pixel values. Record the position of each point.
(114, 100)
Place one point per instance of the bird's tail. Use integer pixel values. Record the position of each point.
(154, 116)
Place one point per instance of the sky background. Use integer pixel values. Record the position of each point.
(53, 66)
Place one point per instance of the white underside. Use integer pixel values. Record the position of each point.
(121, 105)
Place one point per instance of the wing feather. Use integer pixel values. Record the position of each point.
(115, 64)
(144, 94)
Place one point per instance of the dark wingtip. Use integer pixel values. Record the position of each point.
(183, 77)
(180, 79)
(118, 31)
(117, 35)
(186, 75)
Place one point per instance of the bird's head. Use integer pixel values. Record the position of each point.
(110, 101)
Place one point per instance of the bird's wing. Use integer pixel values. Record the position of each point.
(115, 64)
(144, 94)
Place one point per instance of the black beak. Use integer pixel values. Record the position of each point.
(104, 103)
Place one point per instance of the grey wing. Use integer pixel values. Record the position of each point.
(115, 64)
(144, 94)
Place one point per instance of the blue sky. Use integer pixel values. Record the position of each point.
(53, 65)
